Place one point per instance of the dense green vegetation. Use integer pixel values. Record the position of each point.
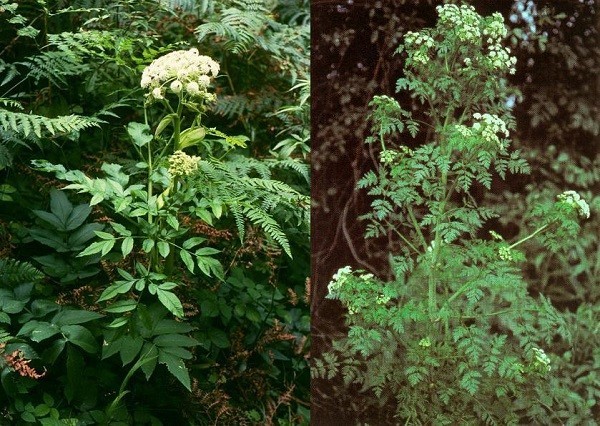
(154, 212)
(474, 298)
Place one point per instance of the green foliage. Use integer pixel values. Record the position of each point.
(146, 255)
(472, 338)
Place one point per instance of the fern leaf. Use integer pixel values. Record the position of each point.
(14, 272)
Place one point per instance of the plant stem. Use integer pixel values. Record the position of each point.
(522, 240)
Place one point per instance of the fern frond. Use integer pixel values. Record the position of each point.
(25, 124)
(268, 225)
(14, 272)
(239, 27)
(55, 66)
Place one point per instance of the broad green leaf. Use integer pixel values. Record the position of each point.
(108, 245)
(93, 248)
(187, 260)
(96, 199)
(148, 245)
(127, 246)
(121, 306)
(71, 316)
(60, 205)
(118, 322)
(104, 235)
(176, 367)
(168, 326)
(173, 222)
(38, 330)
(50, 218)
(192, 242)
(207, 251)
(167, 286)
(138, 212)
(175, 340)
(117, 288)
(79, 214)
(177, 351)
(111, 348)
(163, 248)
(150, 352)
(80, 336)
(170, 301)
(218, 338)
(120, 229)
(130, 348)
(139, 133)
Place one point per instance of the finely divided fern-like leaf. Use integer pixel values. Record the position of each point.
(14, 272)
(25, 124)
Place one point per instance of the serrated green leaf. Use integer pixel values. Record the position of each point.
(170, 301)
(117, 288)
(121, 306)
(80, 336)
(192, 242)
(127, 246)
(148, 245)
(173, 222)
(175, 340)
(163, 248)
(176, 367)
(187, 260)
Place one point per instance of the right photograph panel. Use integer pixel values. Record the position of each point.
(455, 212)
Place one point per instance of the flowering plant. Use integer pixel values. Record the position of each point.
(152, 204)
(454, 337)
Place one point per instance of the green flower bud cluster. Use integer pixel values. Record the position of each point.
(505, 253)
(574, 200)
(182, 164)
(182, 70)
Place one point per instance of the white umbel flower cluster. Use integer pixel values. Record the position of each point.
(495, 29)
(180, 70)
(490, 125)
(421, 42)
(462, 19)
(499, 59)
(487, 127)
(182, 164)
(573, 199)
(338, 280)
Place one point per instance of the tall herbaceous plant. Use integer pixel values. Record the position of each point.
(183, 170)
(455, 337)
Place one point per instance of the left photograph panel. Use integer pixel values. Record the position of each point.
(154, 212)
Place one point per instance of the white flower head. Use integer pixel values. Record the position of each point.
(573, 199)
(185, 66)
(176, 86)
(193, 88)
(338, 280)
(157, 93)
